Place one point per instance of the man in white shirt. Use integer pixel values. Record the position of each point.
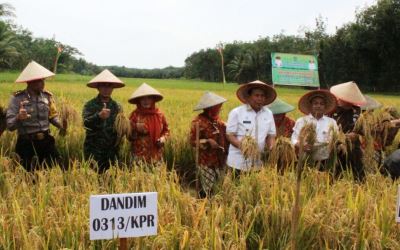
(253, 119)
(315, 104)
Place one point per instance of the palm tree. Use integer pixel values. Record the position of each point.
(6, 10)
(8, 46)
(244, 67)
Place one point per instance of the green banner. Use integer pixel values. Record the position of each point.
(293, 69)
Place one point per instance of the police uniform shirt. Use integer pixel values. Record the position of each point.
(243, 121)
(41, 109)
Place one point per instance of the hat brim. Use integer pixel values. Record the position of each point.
(208, 106)
(34, 79)
(242, 92)
(371, 103)
(115, 85)
(280, 107)
(305, 101)
(135, 100)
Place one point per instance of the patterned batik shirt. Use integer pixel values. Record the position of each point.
(285, 128)
(210, 129)
(143, 148)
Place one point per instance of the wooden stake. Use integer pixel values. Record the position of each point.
(197, 156)
(123, 244)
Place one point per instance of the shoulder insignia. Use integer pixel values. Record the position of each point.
(19, 92)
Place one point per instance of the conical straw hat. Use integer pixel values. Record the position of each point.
(208, 100)
(280, 107)
(145, 90)
(34, 71)
(242, 92)
(305, 101)
(106, 77)
(371, 103)
(349, 92)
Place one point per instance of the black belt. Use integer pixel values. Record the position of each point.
(38, 136)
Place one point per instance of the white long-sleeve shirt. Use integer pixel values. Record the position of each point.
(325, 126)
(243, 121)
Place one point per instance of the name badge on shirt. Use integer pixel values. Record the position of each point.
(247, 122)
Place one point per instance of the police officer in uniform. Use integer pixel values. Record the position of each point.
(30, 112)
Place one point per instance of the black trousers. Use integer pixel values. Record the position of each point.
(43, 150)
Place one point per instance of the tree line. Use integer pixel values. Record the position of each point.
(18, 46)
(365, 51)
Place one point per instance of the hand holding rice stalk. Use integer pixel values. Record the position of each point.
(307, 138)
(249, 148)
(122, 126)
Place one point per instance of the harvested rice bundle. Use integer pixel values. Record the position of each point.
(249, 148)
(283, 154)
(307, 136)
(67, 113)
(122, 126)
(338, 141)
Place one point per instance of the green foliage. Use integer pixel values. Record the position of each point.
(365, 51)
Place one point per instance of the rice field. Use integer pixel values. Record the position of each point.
(49, 209)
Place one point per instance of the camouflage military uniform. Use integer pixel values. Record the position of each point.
(34, 137)
(101, 142)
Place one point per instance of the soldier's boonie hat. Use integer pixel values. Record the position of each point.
(243, 91)
(371, 103)
(145, 90)
(34, 71)
(209, 99)
(280, 107)
(106, 77)
(305, 101)
(349, 92)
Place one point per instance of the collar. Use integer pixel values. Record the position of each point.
(98, 99)
(310, 116)
(249, 108)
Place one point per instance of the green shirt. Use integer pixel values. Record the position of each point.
(101, 138)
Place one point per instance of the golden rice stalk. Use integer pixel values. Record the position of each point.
(338, 138)
(249, 148)
(308, 135)
(122, 126)
(283, 154)
(67, 112)
(394, 113)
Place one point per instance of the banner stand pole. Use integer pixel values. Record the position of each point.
(123, 244)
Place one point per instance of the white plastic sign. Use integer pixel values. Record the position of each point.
(123, 215)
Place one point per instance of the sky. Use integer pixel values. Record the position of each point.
(161, 33)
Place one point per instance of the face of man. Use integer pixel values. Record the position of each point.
(36, 86)
(105, 89)
(146, 102)
(318, 106)
(256, 99)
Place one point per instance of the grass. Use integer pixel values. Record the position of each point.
(48, 209)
